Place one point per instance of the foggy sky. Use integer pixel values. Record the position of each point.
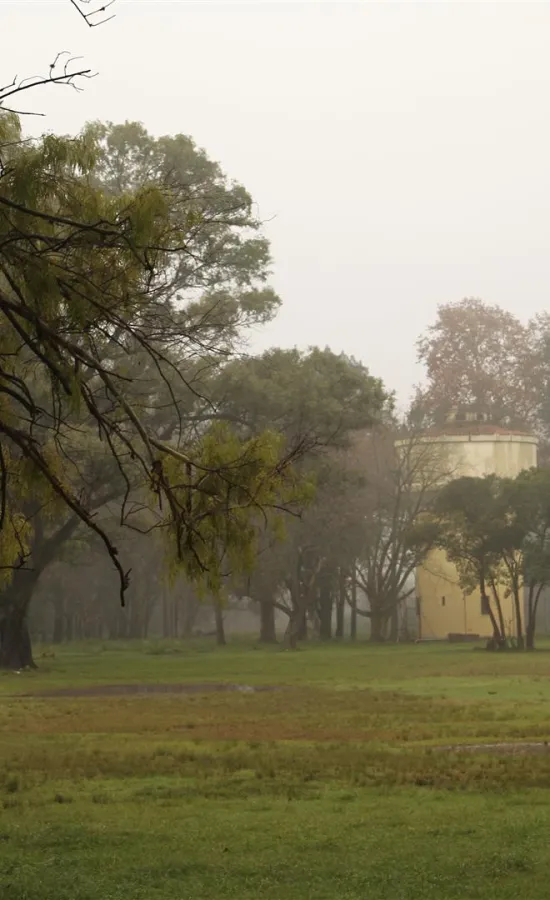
(400, 151)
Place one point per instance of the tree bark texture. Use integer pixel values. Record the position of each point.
(378, 623)
(268, 634)
(15, 639)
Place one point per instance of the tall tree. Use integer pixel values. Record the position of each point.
(402, 474)
(328, 398)
(489, 528)
(497, 532)
(524, 544)
(319, 393)
(92, 283)
(466, 510)
(479, 354)
(367, 528)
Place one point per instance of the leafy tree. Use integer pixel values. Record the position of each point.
(324, 395)
(526, 553)
(480, 354)
(496, 531)
(367, 528)
(322, 548)
(402, 474)
(472, 522)
(227, 264)
(92, 282)
(327, 398)
(128, 268)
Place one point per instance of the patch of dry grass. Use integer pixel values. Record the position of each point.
(333, 788)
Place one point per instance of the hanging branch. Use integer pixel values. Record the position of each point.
(59, 73)
(96, 11)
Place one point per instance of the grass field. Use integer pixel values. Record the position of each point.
(334, 787)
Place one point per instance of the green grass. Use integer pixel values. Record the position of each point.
(429, 669)
(333, 788)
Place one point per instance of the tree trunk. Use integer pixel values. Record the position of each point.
(299, 606)
(378, 624)
(296, 629)
(530, 623)
(15, 643)
(301, 620)
(502, 625)
(15, 639)
(325, 608)
(220, 630)
(268, 634)
(530, 628)
(353, 622)
(394, 626)
(519, 619)
(292, 630)
(497, 636)
(340, 603)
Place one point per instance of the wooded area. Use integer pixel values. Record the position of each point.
(151, 468)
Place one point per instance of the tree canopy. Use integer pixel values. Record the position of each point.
(496, 532)
(480, 354)
(130, 271)
(318, 393)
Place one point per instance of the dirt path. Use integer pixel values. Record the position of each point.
(516, 747)
(122, 690)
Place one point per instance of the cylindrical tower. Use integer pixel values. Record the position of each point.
(471, 445)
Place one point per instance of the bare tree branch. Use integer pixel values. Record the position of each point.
(97, 11)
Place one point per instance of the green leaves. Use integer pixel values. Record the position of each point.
(470, 517)
(223, 493)
(129, 267)
(497, 531)
(210, 218)
(318, 393)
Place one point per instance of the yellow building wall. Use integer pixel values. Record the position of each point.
(437, 578)
(504, 455)
(443, 607)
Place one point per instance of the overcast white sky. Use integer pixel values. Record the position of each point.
(403, 149)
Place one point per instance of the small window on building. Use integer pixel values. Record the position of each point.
(443, 601)
(484, 605)
(460, 417)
